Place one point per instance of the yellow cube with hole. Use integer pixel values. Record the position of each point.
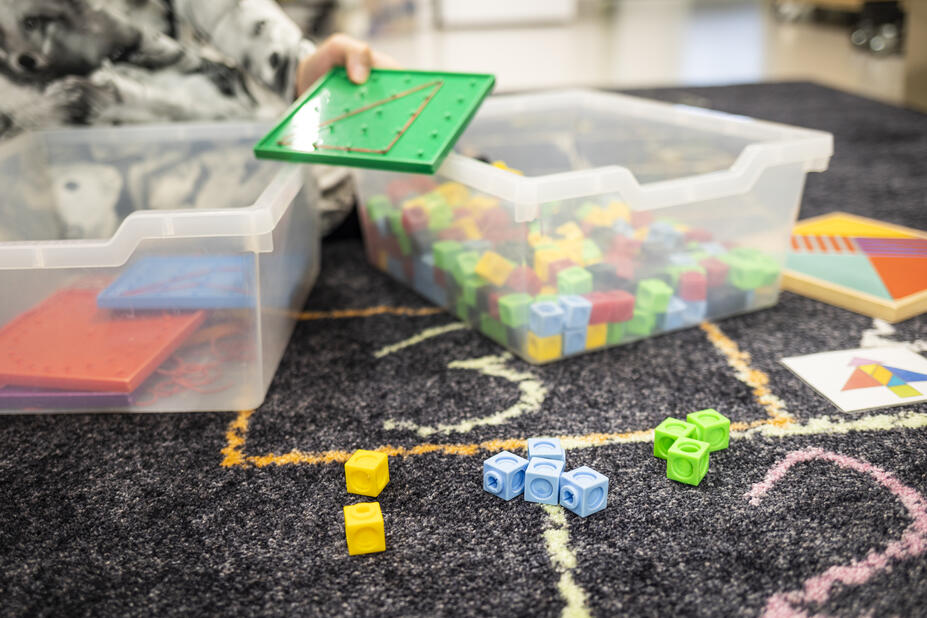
(543, 258)
(570, 231)
(542, 349)
(599, 217)
(494, 268)
(363, 528)
(453, 193)
(366, 473)
(573, 249)
(469, 228)
(596, 335)
(619, 210)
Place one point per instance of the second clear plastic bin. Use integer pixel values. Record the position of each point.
(156, 268)
(574, 221)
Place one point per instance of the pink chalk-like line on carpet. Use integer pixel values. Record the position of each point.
(913, 541)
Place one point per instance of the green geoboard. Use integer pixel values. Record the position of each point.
(405, 121)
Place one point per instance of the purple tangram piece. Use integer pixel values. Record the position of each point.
(16, 398)
(893, 247)
(858, 362)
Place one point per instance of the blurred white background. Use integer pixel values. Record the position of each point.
(533, 44)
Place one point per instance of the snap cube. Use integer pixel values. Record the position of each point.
(363, 528)
(494, 268)
(675, 314)
(642, 323)
(583, 491)
(514, 309)
(493, 328)
(546, 319)
(693, 286)
(524, 279)
(504, 475)
(576, 311)
(653, 294)
(695, 311)
(542, 480)
(667, 432)
(366, 473)
(712, 427)
(575, 280)
(445, 251)
(542, 349)
(463, 265)
(687, 461)
(615, 333)
(546, 448)
(574, 340)
(596, 336)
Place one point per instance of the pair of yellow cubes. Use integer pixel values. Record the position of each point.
(366, 473)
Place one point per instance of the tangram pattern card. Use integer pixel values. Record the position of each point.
(867, 266)
(864, 379)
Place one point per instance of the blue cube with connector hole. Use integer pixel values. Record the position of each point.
(545, 319)
(542, 480)
(583, 491)
(504, 475)
(576, 311)
(548, 448)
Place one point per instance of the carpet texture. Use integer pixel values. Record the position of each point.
(241, 514)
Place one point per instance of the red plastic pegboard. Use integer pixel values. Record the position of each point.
(67, 342)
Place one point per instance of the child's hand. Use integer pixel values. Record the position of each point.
(341, 50)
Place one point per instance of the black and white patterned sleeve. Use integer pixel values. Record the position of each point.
(255, 34)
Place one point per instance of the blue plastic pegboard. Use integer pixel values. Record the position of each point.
(183, 282)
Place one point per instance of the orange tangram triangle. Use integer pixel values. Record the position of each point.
(860, 379)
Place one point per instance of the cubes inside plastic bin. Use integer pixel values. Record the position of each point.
(575, 221)
(154, 268)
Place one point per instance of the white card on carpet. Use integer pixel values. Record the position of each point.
(865, 378)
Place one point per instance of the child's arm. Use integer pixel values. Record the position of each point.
(341, 50)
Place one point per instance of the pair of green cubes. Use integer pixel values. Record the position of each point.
(685, 444)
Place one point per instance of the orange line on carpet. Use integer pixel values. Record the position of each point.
(758, 380)
(367, 312)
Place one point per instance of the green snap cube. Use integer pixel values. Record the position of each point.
(378, 206)
(574, 280)
(687, 461)
(642, 324)
(493, 328)
(591, 251)
(712, 427)
(667, 432)
(585, 210)
(445, 251)
(615, 333)
(654, 295)
(440, 217)
(405, 243)
(470, 287)
(464, 265)
(514, 308)
(394, 218)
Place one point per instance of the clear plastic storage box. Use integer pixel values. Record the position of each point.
(157, 268)
(574, 221)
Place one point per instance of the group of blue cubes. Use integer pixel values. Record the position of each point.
(541, 478)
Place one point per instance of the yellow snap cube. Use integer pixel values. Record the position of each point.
(453, 193)
(469, 227)
(570, 231)
(542, 349)
(543, 258)
(600, 218)
(494, 268)
(482, 203)
(619, 210)
(363, 528)
(573, 249)
(547, 290)
(366, 473)
(596, 334)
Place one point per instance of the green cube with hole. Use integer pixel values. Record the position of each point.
(667, 432)
(574, 280)
(687, 461)
(712, 427)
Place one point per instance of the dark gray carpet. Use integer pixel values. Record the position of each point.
(135, 515)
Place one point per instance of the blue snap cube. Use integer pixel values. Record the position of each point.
(574, 340)
(713, 248)
(694, 311)
(576, 311)
(623, 228)
(542, 480)
(583, 491)
(546, 319)
(674, 317)
(547, 448)
(504, 475)
(394, 267)
(681, 259)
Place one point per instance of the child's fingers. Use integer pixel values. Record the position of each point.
(341, 50)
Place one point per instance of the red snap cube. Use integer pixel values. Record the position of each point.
(440, 279)
(715, 271)
(640, 218)
(494, 302)
(698, 234)
(452, 233)
(692, 285)
(524, 279)
(414, 219)
(624, 267)
(622, 305)
(391, 245)
(626, 247)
